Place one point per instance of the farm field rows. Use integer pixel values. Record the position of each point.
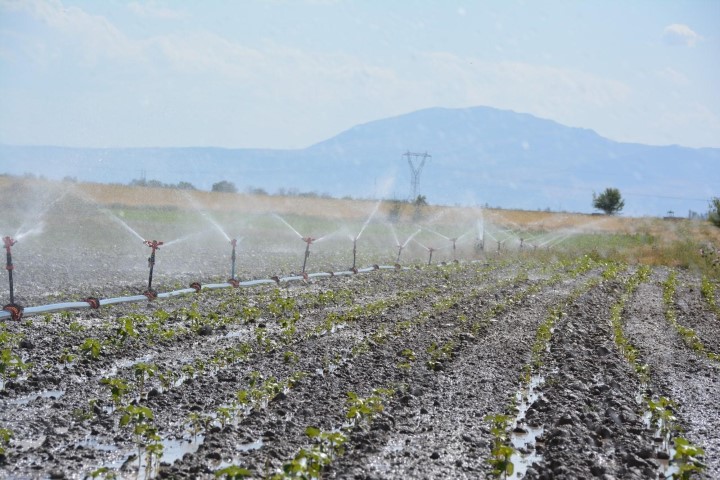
(515, 360)
(409, 370)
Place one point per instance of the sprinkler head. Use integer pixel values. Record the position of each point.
(233, 242)
(9, 242)
(309, 240)
(154, 244)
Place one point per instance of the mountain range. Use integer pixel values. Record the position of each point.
(477, 156)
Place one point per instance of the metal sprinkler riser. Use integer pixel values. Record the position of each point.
(308, 241)
(233, 242)
(354, 253)
(14, 309)
(154, 245)
(431, 250)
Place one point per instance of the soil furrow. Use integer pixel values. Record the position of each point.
(677, 372)
(588, 410)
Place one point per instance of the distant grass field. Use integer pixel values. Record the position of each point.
(647, 240)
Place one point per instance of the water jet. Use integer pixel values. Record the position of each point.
(401, 246)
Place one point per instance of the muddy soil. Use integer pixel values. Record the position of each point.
(678, 372)
(235, 377)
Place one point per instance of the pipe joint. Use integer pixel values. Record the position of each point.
(15, 310)
(93, 302)
(150, 294)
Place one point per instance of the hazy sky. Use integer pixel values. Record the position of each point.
(287, 74)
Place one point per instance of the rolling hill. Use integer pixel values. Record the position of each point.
(480, 155)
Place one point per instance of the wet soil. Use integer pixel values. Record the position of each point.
(447, 346)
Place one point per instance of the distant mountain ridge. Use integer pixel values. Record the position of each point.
(480, 155)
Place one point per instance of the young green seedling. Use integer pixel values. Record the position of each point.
(118, 389)
(91, 348)
(103, 472)
(11, 365)
(5, 438)
(126, 328)
(501, 451)
(144, 433)
(143, 371)
(686, 459)
(233, 472)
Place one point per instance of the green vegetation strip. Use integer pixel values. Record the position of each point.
(500, 425)
(661, 410)
(688, 334)
(707, 290)
(327, 445)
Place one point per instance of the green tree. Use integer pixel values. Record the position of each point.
(714, 213)
(420, 201)
(224, 186)
(610, 201)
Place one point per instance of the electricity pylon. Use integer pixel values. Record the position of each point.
(415, 170)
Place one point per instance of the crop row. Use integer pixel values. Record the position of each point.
(688, 334)
(661, 410)
(278, 310)
(437, 309)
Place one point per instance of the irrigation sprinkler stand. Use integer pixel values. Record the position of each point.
(354, 252)
(308, 241)
(233, 242)
(154, 245)
(9, 242)
(14, 309)
(400, 249)
(454, 240)
(498, 242)
(431, 250)
(521, 242)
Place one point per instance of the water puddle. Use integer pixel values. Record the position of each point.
(524, 436)
(666, 467)
(112, 371)
(29, 443)
(94, 443)
(248, 447)
(238, 460)
(24, 400)
(175, 449)
(237, 334)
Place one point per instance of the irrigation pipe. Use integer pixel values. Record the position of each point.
(195, 287)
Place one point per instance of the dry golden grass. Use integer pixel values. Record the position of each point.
(666, 233)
